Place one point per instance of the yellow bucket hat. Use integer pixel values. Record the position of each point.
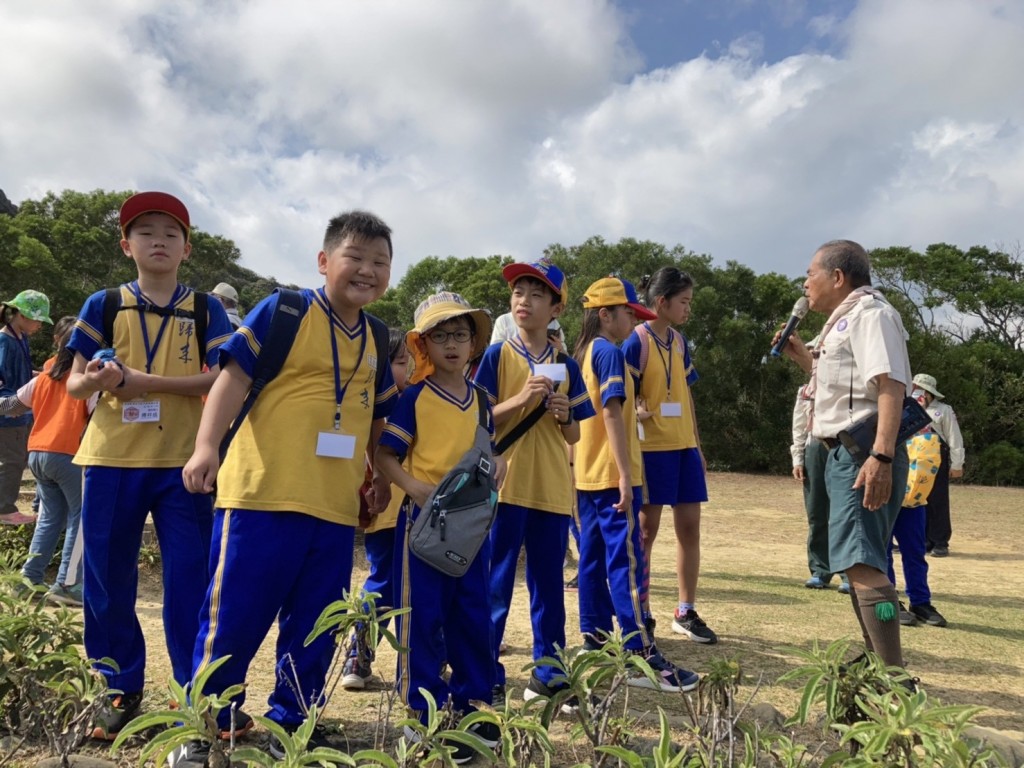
(432, 312)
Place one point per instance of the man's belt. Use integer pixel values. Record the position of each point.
(830, 442)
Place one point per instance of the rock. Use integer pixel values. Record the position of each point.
(1009, 748)
(7, 208)
(765, 715)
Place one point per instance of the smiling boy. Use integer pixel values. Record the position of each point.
(287, 503)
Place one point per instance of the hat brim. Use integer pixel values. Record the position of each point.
(437, 316)
(642, 312)
(512, 272)
(929, 388)
(154, 202)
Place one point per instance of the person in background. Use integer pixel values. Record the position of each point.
(944, 424)
(59, 421)
(228, 297)
(21, 317)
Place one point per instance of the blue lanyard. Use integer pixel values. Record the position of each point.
(521, 349)
(140, 298)
(668, 363)
(339, 390)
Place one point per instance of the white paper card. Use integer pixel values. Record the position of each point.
(554, 371)
(335, 445)
(140, 411)
(640, 430)
(672, 409)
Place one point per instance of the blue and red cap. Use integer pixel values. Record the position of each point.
(544, 271)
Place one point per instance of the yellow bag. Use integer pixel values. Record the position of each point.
(925, 457)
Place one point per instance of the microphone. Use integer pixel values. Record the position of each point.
(799, 310)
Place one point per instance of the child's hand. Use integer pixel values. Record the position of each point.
(625, 497)
(378, 496)
(200, 472)
(558, 406)
(419, 491)
(105, 377)
(135, 385)
(641, 409)
(535, 386)
(500, 470)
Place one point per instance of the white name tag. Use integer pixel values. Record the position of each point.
(554, 371)
(672, 409)
(640, 430)
(335, 445)
(140, 411)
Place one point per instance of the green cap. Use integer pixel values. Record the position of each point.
(33, 305)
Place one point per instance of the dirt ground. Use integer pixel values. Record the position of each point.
(751, 593)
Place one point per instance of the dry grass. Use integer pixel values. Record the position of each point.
(751, 592)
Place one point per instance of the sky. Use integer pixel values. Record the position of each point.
(750, 130)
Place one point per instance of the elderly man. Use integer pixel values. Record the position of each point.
(859, 367)
(228, 297)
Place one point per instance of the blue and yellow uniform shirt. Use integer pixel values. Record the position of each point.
(173, 350)
(538, 464)
(666, 378)
(273, 463)
(604, 373)
(448, 429)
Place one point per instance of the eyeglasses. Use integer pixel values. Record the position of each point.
(461, 336)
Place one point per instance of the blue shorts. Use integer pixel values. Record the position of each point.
(674, 477)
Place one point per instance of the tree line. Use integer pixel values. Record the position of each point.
(963, 310)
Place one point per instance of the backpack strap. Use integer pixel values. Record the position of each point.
(284, 326)
(524, 426)
(198, 314)
(645, 346)
(382, 340)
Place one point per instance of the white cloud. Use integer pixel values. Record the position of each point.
(479, 128)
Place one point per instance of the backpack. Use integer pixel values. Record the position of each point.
(284, 327)
(459, 512)
(199, 315)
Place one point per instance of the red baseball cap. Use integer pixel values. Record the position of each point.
(543, 270)
(153, 202)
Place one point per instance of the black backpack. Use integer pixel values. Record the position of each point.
(284, 326)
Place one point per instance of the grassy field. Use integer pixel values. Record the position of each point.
(751, 592)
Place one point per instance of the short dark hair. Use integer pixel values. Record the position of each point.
(359, 223)
(848, 257)
(532, 281)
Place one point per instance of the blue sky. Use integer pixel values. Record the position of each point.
(750, 131)
(669, 31)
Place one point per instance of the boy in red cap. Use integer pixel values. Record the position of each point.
(140, 436)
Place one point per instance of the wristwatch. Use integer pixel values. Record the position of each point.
(880, 457)
(569, 419)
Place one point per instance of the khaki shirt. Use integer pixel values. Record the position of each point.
(869, 340)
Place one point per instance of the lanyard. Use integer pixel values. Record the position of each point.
(140, 298)
(667, 364)
(339, 390)
(521, 349)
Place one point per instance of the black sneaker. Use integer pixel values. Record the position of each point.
(240, 726)
(195, 754)
(537, 689)
(938, 551)
(592, 642)
(907, 619)
(926, 612)
(488, 733)
(573, 584)
(693, 625)
(460, 753)
(117, 712)
(498, 696)
(356, 669)
(317, 740)
(669, 676)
